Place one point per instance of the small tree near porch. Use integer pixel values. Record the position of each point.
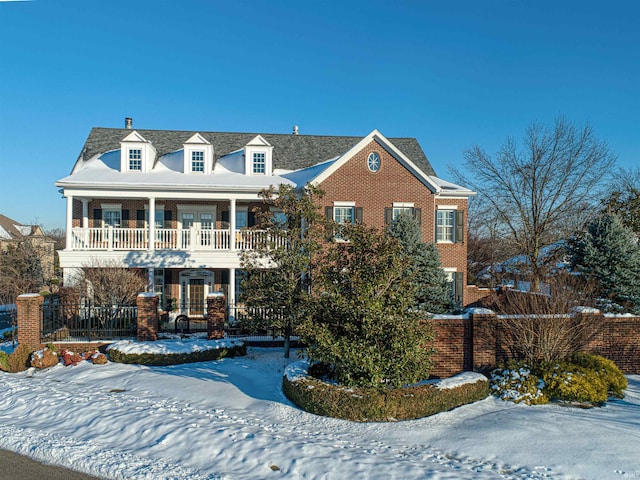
(278, 268)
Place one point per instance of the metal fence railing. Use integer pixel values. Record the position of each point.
(80, 322)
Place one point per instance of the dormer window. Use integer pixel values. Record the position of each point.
(258, 154)
(136, 154)
(259, 163)
(198, 155)
(197, 161)
(135, 159)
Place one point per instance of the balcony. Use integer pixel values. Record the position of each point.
(192, 240)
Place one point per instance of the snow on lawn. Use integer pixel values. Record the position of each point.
(229, 419)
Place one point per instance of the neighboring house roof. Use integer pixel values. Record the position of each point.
(10, 230)
(290, 152)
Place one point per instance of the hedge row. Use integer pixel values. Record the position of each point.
(162, 359)
(379, 405)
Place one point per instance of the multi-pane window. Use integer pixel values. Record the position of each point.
(206, 220)
(158, 285)
(397, 211)
(112, 218)
(197, 161)
(445, 225)
(259, 163)
(343, 214)
(135, 159)
(187, 220)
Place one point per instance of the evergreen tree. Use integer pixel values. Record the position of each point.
(278, 280)
(432, 288)
(608, 252)
(364, 329)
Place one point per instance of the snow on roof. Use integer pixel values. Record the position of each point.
(24, 229)
(450, 187)
(4, 234)
(307, 175)
(104, 170)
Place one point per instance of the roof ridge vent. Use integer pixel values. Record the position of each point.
(128, 123)
(295, 129)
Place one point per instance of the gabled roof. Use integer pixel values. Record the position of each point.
(290, 152)
(12, 230)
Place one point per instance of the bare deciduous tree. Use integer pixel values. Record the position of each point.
(108, 284)
(543, 190)
(541, 327)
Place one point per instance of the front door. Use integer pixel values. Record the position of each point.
(196, 296)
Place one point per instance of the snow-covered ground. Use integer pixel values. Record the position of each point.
(229, 419)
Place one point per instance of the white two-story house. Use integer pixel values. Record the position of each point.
(176, 204)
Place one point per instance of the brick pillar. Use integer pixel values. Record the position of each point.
(147, 316)
(216, 315)
(29, 319)
(484, 337)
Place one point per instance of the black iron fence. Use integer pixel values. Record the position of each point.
(255, 323)
(88, 322)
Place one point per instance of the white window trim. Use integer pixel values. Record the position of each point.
(403, 205)
(111, 206)
(258, 145)
(453, 232)
(344, 204)
(196, 210)
(446, 207)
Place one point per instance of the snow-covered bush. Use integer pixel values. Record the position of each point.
(516, 383)
(585, 379)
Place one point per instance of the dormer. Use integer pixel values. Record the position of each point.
(136, 154)
(198, 155)
(258, 156)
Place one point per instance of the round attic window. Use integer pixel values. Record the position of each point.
(373, 162)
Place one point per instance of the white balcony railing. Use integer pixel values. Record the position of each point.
(115, 238)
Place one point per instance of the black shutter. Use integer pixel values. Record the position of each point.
(359, 214)
(251, 219)
(97, 217)
(388, 216)
(328, 212)
(125, 218)
(167, 216)
(417, 215)
(139, 218)
(224, 216)
(459, 226)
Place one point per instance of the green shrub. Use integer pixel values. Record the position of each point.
(19, 360)
(609, 372)
(4, 361)
(374, 404)
(572, 383)
(161, 359)
(586, 379)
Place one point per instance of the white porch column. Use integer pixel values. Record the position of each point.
(69, 222)
(151, 279)
(232, 225)
(152, 223)
(231, 301)
(85, 213)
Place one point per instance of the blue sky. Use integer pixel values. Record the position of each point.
(451, 74)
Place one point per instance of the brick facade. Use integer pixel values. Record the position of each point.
(29, 318)
(393, 182)
(479, 342)
(147, 304)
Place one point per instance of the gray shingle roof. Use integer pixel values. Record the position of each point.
(290, 151)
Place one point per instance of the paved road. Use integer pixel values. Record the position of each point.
(18, 467)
